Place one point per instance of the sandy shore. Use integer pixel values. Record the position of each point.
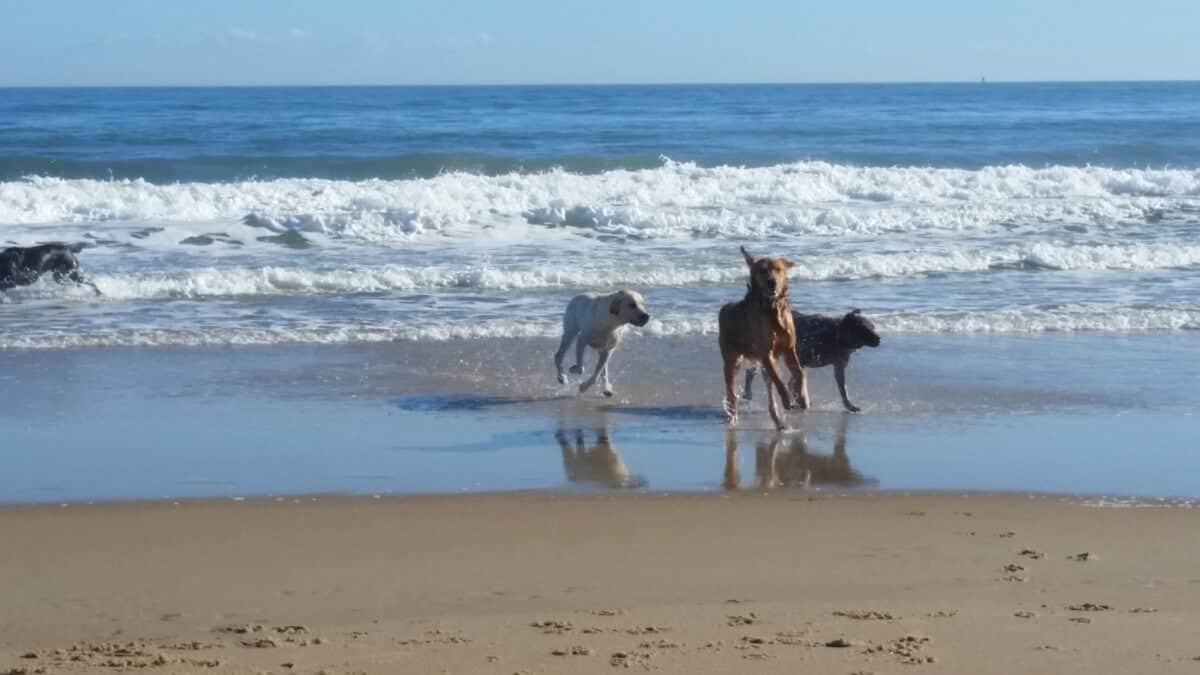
(550, 583)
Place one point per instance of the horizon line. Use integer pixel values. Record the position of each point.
(432, 85)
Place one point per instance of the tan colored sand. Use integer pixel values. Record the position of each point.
(790, 582)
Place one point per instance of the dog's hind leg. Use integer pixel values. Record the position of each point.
(569, 333)
(580, 345)
(732, 362)
(839, 374)
(601, 365)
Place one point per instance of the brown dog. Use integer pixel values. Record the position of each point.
(760, 328)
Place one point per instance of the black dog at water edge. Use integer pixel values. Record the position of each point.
(825, 340)
(23, 265)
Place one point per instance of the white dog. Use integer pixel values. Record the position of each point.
(598, 321)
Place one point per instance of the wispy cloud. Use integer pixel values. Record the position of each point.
(297, 33)
(242, 34)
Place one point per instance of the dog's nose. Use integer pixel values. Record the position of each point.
(643, 319)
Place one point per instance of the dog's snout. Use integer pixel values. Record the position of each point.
(642, 319)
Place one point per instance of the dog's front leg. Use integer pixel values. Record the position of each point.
(601, 364)
(747, 394)
(839, 374)
(608, 390)
(780, 425)
(799, 381)
(774, 379)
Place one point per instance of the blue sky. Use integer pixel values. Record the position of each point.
(198, 42)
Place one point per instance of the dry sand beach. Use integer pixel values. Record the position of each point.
(750, 582)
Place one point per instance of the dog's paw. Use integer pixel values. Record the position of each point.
(575, 370)
(803, 403)
(747, 396)
(562, 379)
(850, 407)
(608, 393)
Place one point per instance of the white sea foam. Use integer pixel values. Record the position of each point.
(1011, 322)
(674, 200)
(214, 282)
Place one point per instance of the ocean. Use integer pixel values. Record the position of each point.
(359, 290)
(231, 216)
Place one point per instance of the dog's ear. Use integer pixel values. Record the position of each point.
(614, 307)
(749, 258)
(787, 264)
(856, 311)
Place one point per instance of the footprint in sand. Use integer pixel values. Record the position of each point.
(553, 626)
(865, 615)
(1089, 607)
(742, 620)
(574, 650)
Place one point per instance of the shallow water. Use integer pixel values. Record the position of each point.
(1111, 415)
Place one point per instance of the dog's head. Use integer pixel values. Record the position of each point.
(630, 307)
(856, 330)
(768, 276)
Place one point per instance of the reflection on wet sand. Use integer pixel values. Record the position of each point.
(598, 463)
(795, 466)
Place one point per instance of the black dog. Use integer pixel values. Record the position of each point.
(21, 266)
(825, 340)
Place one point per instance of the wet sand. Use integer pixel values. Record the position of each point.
(569, 583)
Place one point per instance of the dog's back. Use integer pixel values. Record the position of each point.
(817, 340)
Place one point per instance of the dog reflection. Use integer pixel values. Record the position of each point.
(795, 466)
(599, 463)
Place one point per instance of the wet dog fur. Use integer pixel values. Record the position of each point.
(759, 328)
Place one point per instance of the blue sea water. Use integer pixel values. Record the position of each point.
(213, 216)
(1030, 252)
